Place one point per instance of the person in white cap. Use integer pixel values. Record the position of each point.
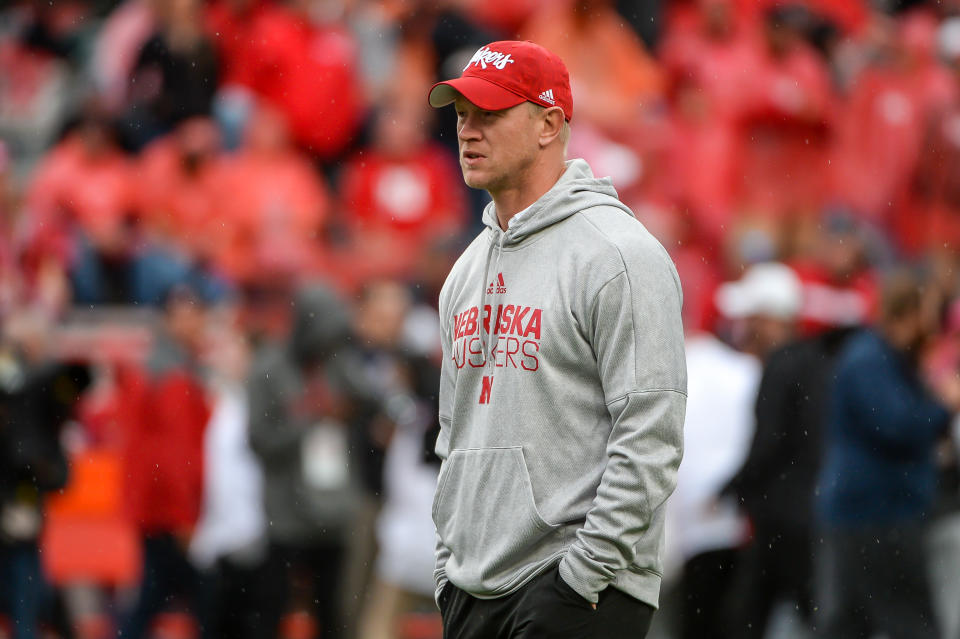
(563, 385)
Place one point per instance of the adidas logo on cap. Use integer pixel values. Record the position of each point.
(547, 96)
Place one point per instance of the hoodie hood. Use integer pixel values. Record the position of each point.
(576, 190)
(320, 324)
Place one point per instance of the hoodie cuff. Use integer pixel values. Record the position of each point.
(441, 579)
(580, 575)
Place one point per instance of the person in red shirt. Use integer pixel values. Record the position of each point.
(167, 410)
(80, 204)
(785, 127)
(181, 190)
(229, 24)
(308, 67)
(277, 207)
(400, 196)
(880, 132)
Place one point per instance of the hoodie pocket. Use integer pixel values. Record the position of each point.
(486, 515)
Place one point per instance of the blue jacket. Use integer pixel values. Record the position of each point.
(881, 431)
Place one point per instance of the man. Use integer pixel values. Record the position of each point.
(707, 528)
(878, 479)
(306, 403)
(563, 387)
(775, 483)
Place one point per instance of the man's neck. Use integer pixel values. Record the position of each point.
(511, 201)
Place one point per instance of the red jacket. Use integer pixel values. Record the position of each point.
(166, 414)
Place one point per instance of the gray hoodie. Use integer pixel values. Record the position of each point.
(562, 398)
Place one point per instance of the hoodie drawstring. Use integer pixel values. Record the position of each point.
(487, 346)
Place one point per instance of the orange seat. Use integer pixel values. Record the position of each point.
(104, 551)
(86, 536)
(94, 486)
(422, 625)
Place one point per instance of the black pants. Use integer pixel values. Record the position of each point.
(306, 578)
(776, 565)
(706, 579)
(167, 577)
(875, 582)
(545, 608)
(234, 596)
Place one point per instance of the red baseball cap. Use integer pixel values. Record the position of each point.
(505, 73)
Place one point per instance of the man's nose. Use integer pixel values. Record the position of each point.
(468, 129)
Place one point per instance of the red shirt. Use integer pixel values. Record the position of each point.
(784, 158)
(880, 135)
(233, 35)
(310, 72)
(396, 206)
(167, 416)
(72, 187)
(278, 204)
(182, 205)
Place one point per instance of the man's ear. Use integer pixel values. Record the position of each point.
(551, 125)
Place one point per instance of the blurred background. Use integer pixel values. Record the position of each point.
(224, 225)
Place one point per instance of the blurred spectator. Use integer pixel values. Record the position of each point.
(849, 15)
(274, 217)
(713, 50)
(230, 25)
(400, 195)
(182, 202)
(303, 60)
(175, 75)
(707, 61)
(839, 287)
(229, 544)
(775, 484)
(305, 396)
(706, 529)
(382, 309)
(35, 91)
(80, 204)
(762, 307)
(930, 216)
(878, 480)
(942, 360)
(785, 126)
(117, 48)
(611, 73)
(37, 397)
(881, 125)
(169, 410)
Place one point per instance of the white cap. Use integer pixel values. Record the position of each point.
(948, 39)
(770, 289)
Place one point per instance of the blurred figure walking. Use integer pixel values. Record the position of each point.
(304, 398)
(164, 458)
(878, 481)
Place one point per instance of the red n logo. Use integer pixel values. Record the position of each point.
(487, 389)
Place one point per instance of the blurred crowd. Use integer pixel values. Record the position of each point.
(223, 229)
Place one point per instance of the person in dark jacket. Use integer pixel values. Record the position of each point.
(775, 485)
(306, 397)
(878, 480)
(37, 397)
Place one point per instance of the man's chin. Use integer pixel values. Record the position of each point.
(473, 180)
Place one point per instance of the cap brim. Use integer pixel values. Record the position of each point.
(480, 92)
